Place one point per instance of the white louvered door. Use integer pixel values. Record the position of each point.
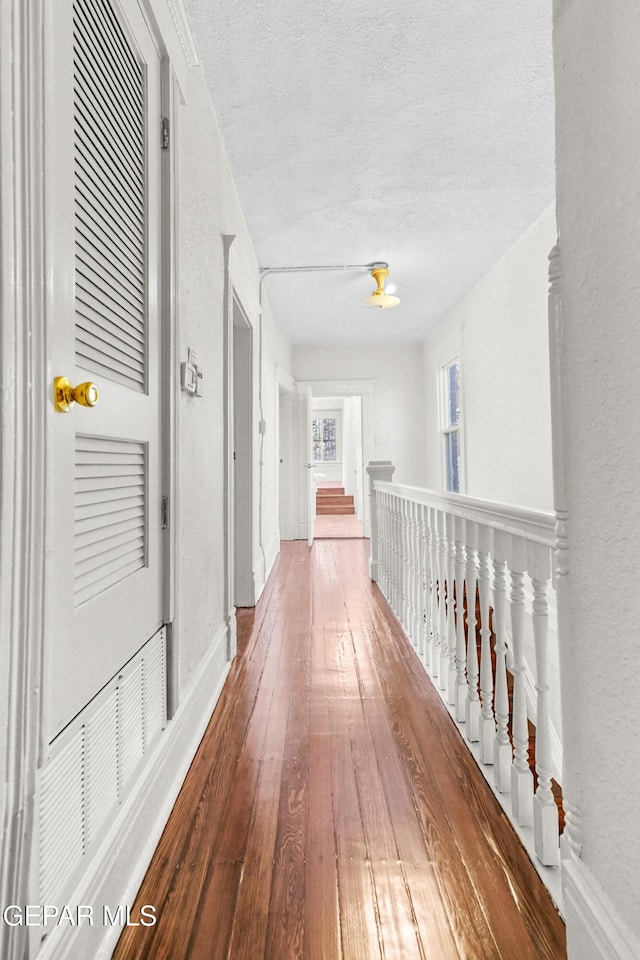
(105, 228)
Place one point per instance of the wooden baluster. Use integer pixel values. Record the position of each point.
(412, 542)
(405, 560)
(383, 574)
(434, 639)
(423, 574)
(392, 547)
(397, 558)
(521, 776)
(472, 704)
(443, 666)
(487, 720)
(451, 609)
(461, 644)
(545, 812)
(502, 743)
(416, 541)
(399, 562)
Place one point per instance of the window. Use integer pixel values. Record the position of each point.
(324, 439)
(450, 423)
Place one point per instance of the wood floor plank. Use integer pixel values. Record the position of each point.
(492, 848)
(322, 940)
(332, 812)
(285, 931)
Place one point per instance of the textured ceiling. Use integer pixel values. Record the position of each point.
(421, 134)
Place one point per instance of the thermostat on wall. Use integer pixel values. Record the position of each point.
(189, 373)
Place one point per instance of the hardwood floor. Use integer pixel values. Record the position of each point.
(332, 812)
(335, 528)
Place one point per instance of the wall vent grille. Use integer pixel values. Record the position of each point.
(93, 764)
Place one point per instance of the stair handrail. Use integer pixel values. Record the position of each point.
(535, 525)
(429, 549)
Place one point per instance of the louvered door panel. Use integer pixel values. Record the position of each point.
(110, 198)
(110, 513)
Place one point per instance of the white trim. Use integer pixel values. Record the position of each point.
(271, 552)
(595, 930)
(120, 864)
(184, 32)
(284, 378)
(337, 388)
(170, 207)
(24, 469)
(244, 283)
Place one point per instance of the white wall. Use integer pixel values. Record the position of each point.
(276, 354)
(398, 408)
(500, 330)
(598, 158)
(209, 208)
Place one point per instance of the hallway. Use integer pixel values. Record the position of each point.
(331, 810)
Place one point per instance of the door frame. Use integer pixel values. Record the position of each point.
(284, 465)
(25, 508)
(242, 349)
(345, 388)
(239, 284)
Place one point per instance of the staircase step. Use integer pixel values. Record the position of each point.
(335, 498)
(329, 491)
(334, 509)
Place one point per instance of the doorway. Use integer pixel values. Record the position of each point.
(336, 446)
(244, 594)
(301, 484)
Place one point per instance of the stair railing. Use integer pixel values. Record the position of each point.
(453, 568)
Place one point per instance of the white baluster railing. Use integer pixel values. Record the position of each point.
(434, 556)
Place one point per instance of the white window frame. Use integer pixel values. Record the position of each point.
(444, 428)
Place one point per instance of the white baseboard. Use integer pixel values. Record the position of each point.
(271, 553)
(594, 929)
(118, 868)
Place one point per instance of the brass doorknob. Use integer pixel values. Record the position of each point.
(65, 395)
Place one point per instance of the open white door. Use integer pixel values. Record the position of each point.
(308, 498)
(311, 473)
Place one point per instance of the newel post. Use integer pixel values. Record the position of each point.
(380, 471)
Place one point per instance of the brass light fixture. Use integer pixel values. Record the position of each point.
(379, 298)
(378, 270)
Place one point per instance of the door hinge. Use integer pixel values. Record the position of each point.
(165, 133)
(164, 512)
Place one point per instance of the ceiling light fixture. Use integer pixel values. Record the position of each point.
(378, 270)
(379, 298)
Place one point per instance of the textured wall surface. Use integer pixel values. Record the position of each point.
(598, 151)
(210, 208)
(501, 328)
(398, 407)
